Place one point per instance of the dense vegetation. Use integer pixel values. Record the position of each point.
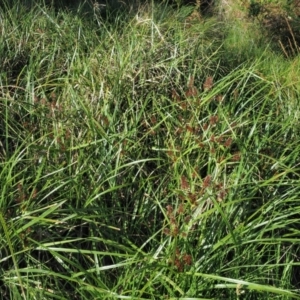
(149, 153)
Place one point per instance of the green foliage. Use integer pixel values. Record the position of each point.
(280, 22)
(146, 156)
(254, 8)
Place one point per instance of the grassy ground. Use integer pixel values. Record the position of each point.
(145, 155)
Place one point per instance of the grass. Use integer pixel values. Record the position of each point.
(144, 156)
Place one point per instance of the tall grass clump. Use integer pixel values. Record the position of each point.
(145, 156)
